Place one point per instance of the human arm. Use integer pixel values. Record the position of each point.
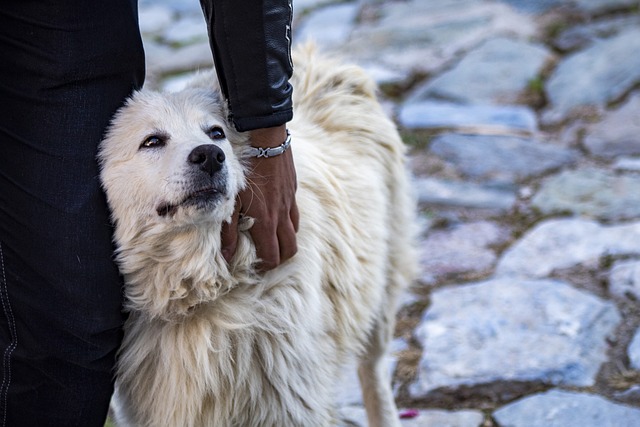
(250, 41)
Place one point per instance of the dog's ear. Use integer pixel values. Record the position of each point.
(208, 80)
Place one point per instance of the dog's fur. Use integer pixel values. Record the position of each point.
(211, 344)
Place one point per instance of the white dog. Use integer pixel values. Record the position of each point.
(211, 344)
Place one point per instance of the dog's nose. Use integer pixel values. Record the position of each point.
(209, 158)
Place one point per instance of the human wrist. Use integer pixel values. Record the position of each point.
(269, 142)
(268, 137)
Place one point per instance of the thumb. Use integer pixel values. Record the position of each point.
(229, 235)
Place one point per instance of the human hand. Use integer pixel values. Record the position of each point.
(269, 198)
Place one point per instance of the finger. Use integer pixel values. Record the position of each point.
(287, 240)
(294, 215)
(267, 248)
(229, 234)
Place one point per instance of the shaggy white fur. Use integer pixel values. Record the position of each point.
(211, 344)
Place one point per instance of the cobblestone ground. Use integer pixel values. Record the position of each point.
(523, 118)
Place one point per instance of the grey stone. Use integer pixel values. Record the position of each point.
(425, 35)
(154, 18)
(187, 30)
(509, 65)
(500, 159)
(438, 418)
(537, 6)
(509, 330)
(624, 279)
(328, 27)
(474, 118)
(582, 35)
(594, 77)
(563, 243)
(163, 60)
(596, 193)
(634, 351)
(463, 249)
(618, 134)
(433, 191)
(356, 416)
(558, 408)
(627, 164)
(599, 6)
(182, 6)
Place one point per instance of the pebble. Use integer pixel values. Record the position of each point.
(497, 72)
(618, 134)
(602, 73)
(500, 159)
(558, 408)
(563, 243)
(511, 330)
(591, 192)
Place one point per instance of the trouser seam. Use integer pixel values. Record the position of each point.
(6, 360)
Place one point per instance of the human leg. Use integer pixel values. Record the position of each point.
(66, 68)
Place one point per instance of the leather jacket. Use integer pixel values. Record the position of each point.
(251, 46)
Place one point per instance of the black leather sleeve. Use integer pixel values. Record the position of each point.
(251, 46)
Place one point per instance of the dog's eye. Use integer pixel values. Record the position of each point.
(215, 132)
(153, 141)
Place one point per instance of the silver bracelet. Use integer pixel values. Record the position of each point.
(272, 151)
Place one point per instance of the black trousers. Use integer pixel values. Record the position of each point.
(65, 67)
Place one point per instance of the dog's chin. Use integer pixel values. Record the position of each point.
(202, 201)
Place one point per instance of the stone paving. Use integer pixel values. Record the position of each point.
(523, 118)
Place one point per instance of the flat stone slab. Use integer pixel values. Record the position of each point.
(425, 35)
(624, 279)
(498, 71)
(463, 249)
(558, 408)
(537, 6)
(627, 164)
(595, 193)
(599, 6)
(431, 191)
(500, 159)
(594, 77)
(154, 18)
(473, 118)
(328, 27)
(634, 351)
(563, 243)
(582, 35)
(510, 330)
(436, 418)
(618, 134)
(356, 416)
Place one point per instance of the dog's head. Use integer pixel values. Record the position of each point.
(171, 168)
(168, 160)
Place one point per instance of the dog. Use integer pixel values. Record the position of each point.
(211, 343)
